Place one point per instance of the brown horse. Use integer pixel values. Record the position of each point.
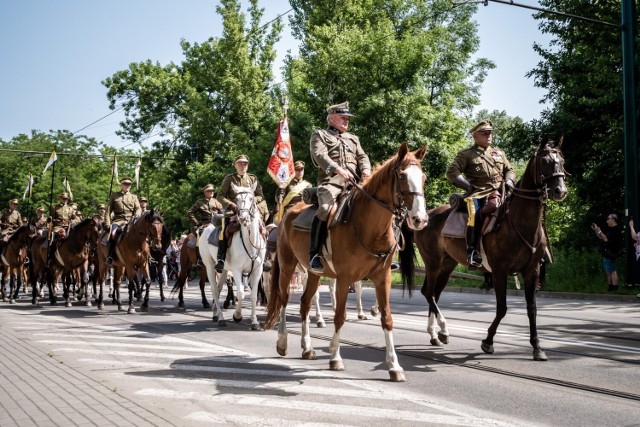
(12, 257)
(70, 256)
(188, 258)
(132, 254)
(362, 247)
(515, 246)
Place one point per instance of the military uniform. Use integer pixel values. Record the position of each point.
(10, 220)
(102, 212)
(292, 194)
(121, 208)
(330, 149)
(41, 221)
(62, 216)
(200, 213)
(226, 196)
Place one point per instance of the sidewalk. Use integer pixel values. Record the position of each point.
(545, 294)
(39, 390)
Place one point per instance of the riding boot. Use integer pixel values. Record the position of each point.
(110, 248)
(198, 259)
(222, 254)
(473, 255)
(318, 234)
(52, 251)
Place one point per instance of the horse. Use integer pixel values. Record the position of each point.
(132, 253)
(157, 264)
(188, 258)
(70, 254)
(516, 245)
(363, 246)
(13, 254)
(245, 256)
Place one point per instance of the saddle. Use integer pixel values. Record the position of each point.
(456, 224)
(340, 211)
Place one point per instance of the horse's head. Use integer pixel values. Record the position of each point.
(548, 169)
(155, 225)
(245, 203)
(409, 186)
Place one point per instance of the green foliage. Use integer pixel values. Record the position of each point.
(576, 271)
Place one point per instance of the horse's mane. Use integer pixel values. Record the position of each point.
(156, 215)
(383, 172)
(19, 231)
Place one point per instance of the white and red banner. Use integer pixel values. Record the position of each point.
(280, 166)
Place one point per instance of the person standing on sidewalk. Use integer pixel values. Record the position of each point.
(611, 242)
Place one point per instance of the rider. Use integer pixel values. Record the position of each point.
(480, 170)
(292, 194)
(102, 212)
(10, 220)
(122, 206)
(61, 215)
(204, 209)
(41, 220)
(227, 197)
(340, 158)
(143, 204)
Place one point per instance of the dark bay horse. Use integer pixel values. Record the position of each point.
(132, 254)
(71, 253)
(157, 264)
(188, 258)
(364, 246)
(516, 246)
(13, 254)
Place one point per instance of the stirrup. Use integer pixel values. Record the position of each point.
(219, 266)
(109, 261)
(315, 265)
(266, 266)
(199, 263)
(395, 266)
(474, 259)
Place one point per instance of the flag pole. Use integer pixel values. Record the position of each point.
(113, 171)
(50, 233)
(279, 206)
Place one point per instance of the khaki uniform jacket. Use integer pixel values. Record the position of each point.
(62, 216)
(485, 175)
(200, 213)
(41, 223)
(226, 196)
(10, 221)
(121, 207)
(292, 194)
(102, 215)
(330, 148)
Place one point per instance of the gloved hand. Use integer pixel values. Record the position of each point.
(233, 207)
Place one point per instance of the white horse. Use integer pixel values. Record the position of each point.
(245, 257)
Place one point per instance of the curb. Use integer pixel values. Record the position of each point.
(545, 294)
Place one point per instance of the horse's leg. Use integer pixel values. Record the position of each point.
(131, 279)
(145, 300)
(216, 282)
(332, 292)
(382, 281)
(254, 281)
(342, 291)
(34, 285)
(51, 278)
(310, 291)
(358, 286)
(66, 288)
(12, 285)
(203, 295)
(117, 281)
(240, 282)
(434, 283)
(530, 282)
(320, 323)
(500, 287)
(85, 278)
(230, 300)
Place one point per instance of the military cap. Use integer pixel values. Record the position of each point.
(102, 206)
(40, 210)
(63, 196)
(142, 199)
(14, 201)
(79, 213)
(298, 165)
(483, 125)
(125, 180)
(241, 158)
(341, 109)
(208, 187)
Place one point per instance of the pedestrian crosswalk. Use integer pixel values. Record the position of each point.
(197, 381)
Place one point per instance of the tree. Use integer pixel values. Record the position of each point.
(405, 66)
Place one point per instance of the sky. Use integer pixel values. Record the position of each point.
(55, 55)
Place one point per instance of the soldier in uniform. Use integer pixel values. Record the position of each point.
(201, 212)
(61, 215)
(10, 219)
(41, 221)
(102, 212)
(143, 204)
(227, 199)
(340, 159)
(292, 194)
(122, 206)
(479, 170)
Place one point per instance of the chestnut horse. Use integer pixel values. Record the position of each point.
(515, 246)
(132, 254)
(13, 254)
(362, 247)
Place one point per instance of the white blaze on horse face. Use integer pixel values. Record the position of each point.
(417, 215)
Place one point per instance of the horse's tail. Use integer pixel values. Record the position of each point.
(178, 285)
(407, 258)
(274, 304)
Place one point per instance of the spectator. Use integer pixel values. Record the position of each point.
(611, 242)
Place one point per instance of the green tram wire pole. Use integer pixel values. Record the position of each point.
(628, 28)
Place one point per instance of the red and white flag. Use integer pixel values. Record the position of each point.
(280, 166)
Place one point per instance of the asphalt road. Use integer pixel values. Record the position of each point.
(173, 366)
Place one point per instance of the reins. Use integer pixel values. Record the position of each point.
(252, 213)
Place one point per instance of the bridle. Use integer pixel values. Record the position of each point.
(539, 178)
(251, 211)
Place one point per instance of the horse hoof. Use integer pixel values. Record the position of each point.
(144, 309)
(362, 317)
(309, 355)
(162, 299)
(206, 305)
(120, 308)
(255, 327)
(436, 342)
(12, 301)
(181, 304)
(374, 312)
(226, 305)
(282, 351)
(222, 323)
(237, 320)
(397, 375)
(88, 303)
(321, 324)
(487, 348)
(539, 355)
(101, 306)
(336, 365)
(34, 301)
(215, 319)
(443, 338)
(68, 304)
(131, 310)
